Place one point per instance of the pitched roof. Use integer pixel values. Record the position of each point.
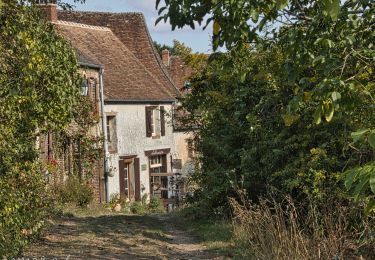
(125, 77)
(83, 58)
(131, 30)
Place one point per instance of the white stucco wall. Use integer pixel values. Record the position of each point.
(132, 140)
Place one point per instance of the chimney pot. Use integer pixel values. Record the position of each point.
(166, 57)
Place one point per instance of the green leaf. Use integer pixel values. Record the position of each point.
(159, 19)
(216, 28)
(318, 115)
(370, 207)
(336, 96)
(359, 134)
(281, 4)
(254, 15)
(243, 76)
(329, 112)
(349, 179)
(372, 182)
(161, 10)
(361, 186)
(157, 4)
(371, 139)
(332, 8)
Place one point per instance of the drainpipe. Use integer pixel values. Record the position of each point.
(104, 127)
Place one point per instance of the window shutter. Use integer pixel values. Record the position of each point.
(112, 134)
(162, 121)
(148, 121)
(164, 167)
(137, 179)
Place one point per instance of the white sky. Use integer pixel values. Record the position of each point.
(197, 39)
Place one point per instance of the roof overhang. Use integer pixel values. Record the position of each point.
(90, 65)
(119, 102)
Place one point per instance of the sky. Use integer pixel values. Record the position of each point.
(197, 39)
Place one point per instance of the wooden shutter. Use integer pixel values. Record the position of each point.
(148, 121)
(137, 179)
(164, 167)
(112, 144)
(162, 121)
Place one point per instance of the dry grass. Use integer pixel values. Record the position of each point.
(274, 230)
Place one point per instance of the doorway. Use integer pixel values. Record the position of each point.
(129, 178)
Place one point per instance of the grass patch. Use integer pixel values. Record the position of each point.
(216, 235)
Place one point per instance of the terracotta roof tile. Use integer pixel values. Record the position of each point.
(125, 77)
(132, 31)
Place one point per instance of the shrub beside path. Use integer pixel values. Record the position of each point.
(117, 236)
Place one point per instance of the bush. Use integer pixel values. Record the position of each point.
(142, 207)
(155, 206)
(75, 191)
(137, 208)
(24, 206)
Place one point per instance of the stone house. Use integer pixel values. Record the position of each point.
(141, 155)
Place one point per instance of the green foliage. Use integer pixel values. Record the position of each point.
(360, 181)
(155, 206)
(319, 69)
(247, 141)
(137, 208)
(74, 190)
(24, 206)
(40, 82)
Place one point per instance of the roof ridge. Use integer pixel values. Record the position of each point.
(82, 25)
(98, 12)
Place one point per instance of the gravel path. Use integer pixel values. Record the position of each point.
(117, 237)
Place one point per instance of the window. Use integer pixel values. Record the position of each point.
(89, 89)
(84, 87)
(156, 164)
(155, 121)
(111, 134)
(159, 183)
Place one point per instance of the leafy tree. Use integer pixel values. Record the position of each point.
(248, 140)
(39, 89)
(327, 61)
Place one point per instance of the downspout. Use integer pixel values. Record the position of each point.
(104, 127)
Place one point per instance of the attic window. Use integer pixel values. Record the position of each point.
(84, 87)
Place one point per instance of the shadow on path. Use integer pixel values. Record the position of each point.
(117, 237)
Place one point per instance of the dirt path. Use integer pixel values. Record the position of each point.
(117, 237)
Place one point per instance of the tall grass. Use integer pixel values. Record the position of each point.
(278, 230)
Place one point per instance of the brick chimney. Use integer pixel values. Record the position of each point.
(49, 9)
(166, 57)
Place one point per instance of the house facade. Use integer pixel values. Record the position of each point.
(141, 157)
